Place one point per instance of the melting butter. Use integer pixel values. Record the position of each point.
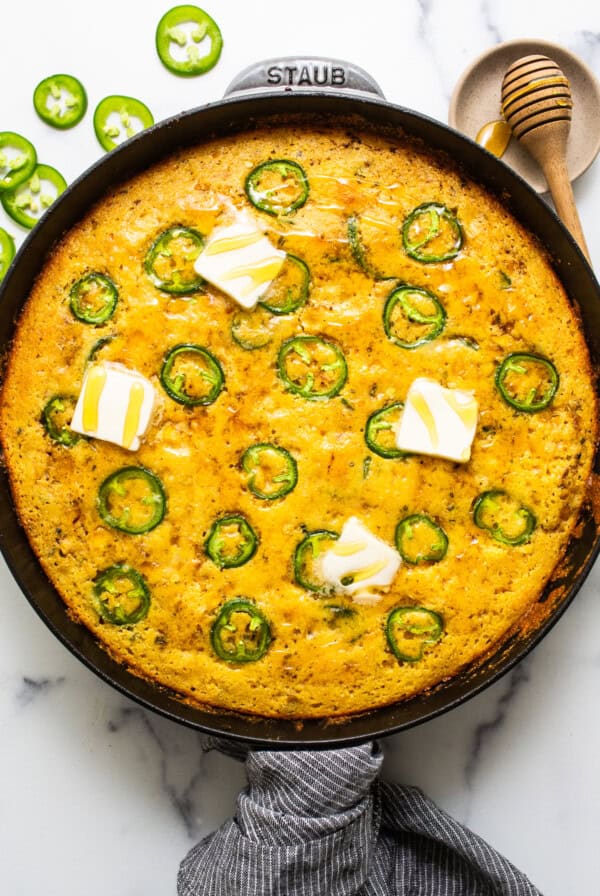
(231, 243)
(96, 380)
(369, 571)
(258, 273)
(133, 415)
(345, 549)
(424, 412)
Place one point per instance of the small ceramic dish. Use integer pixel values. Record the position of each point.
(475, 101)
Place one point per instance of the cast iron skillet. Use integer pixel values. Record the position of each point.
(277, 87)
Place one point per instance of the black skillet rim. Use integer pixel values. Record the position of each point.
(235, 115)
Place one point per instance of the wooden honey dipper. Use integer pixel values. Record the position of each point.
(537, 104)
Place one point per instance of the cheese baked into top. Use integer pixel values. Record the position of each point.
(333, 421)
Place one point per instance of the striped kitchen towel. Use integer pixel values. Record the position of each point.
(321, 823)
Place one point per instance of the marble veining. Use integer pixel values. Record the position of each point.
(181, 785)
(587, 45)
(489, 21)
(182, 760)
(33, 688)
(512, 685)
(113, 795)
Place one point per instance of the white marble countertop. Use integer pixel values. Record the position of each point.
(102, 797)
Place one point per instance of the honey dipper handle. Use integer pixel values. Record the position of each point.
(537, 104)
(559, 182)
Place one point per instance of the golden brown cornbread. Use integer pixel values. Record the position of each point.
(500, 292)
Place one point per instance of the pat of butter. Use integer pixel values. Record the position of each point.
(115, 404)
(437, 421)
(239, 260)
(359, 560)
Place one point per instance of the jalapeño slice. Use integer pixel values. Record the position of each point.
(231, 541)
(18, 159)
(409, 630)
(117, 118)
(527, 382)
(359, 252)
(340, 611)
(60, 101)
(132, 500)
(28, 201)
(373, 243)
(467, 341)
(191, 375)
(252, 329)
(413, 316)
(432, 233)
(271, 471)
(121, 595)
(241, 632)
(312, 367)
(180, 41)
(169, 262)
(503, 517)
(56, 416)
(277, 187)
(7, 252)
(306, 559)
(380, 431)
(289, 290)
(93, 299)
(419, 539)
(97, 347)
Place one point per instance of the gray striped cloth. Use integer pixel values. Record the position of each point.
(321, 824)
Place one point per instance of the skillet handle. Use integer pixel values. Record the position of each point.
(298, 73)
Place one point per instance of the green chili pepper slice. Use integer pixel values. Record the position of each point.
(409, 630)
(467, 341)
(413, 316)
(132, 500)
(252, 330)
(56, 416)
(380, 431)
(272, 472)
(18, 159)
(121, 595)
(170, 261)
(340, 611)
(289, 290)
(241, 632)
(231, 541)
(179, 38)
(503, 517)
(312, 367)
(419, 539)
(93, 299)
(97, 347)
(117, 118)
(7, 252)
(60, 101)
(527, 382)
(306, 559)
(191, 375)
(358, 249)
(277, 187)
(368, 242)
(432, 233)
(27, 202)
